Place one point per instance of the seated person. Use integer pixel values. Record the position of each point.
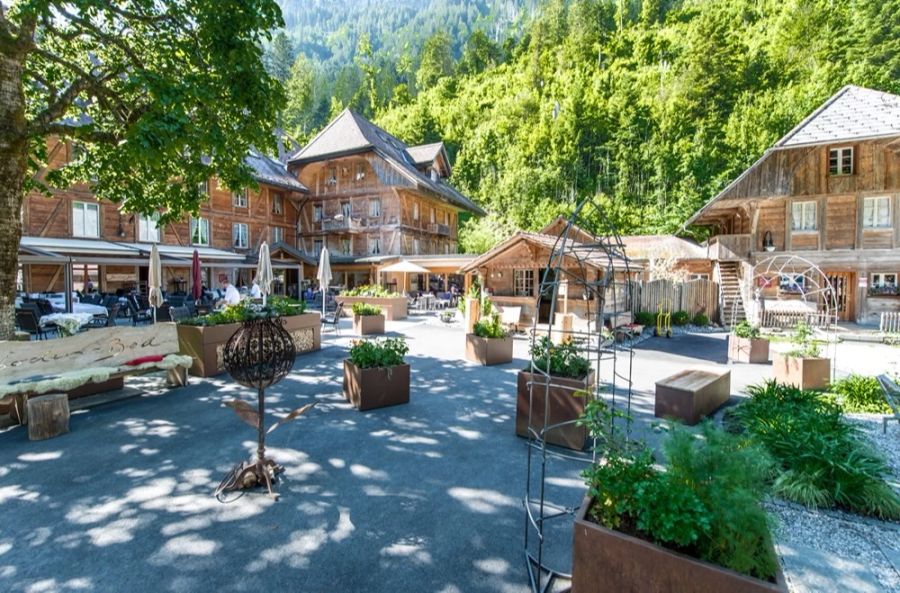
(232, 296)
(255, 292)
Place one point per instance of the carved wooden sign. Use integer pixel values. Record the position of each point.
(103, 347)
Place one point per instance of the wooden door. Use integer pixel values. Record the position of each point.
(844, 285)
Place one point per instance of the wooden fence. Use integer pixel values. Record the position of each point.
(790, 319)
(694, 296)
(890, 322)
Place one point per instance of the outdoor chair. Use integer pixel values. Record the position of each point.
(443, 301)
(112, 312)
(138, 315)
(179, 313)
(27, 321)
(333, 320)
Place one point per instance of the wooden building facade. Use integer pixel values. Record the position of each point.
(829, 192)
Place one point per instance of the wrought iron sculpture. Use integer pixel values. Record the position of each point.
(259, 354)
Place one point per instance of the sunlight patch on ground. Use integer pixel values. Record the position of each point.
(492, 565)
(338, 463)
(411, 550)
(52, 585)
(367, 473)
(12, 492)
(471, 435)
(295, 553)
(139, 427)
(45, 456)
(117, 532)
(566, 482)
(482, 501)
(189, 545)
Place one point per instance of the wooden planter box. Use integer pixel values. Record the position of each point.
(376, 388)
(607, 561)
(691, 395)
(564, 406)
(805, 373)
(488, 351)
(751, 350)
(365, 325)
(394, 308)
(206, 344)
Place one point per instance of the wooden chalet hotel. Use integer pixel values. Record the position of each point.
(354, 189)
(829, 192)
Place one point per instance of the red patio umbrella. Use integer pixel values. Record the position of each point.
(196, 279)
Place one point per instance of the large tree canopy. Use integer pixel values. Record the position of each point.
(159, 95)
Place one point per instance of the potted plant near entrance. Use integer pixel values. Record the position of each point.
(696, 525)
(367, 319)
(376, 374)
(803, 366)
(489, 343)
(563, 379)
(746, 345)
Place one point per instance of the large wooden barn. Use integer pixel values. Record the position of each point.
(829, 192)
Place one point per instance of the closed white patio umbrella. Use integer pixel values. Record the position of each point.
(324, 275)
(264, 276)
(154, 279)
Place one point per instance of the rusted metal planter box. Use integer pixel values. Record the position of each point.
(607, 561)
(205, 344)
(377, 387)
(690, 395)
(805, 373)
(565, 399)
(489, 351)
(750, 350)
(394, 308)
(365, 325)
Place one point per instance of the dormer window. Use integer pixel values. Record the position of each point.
(332, 176)
(434, 174)
(840, 161)
(360, 172)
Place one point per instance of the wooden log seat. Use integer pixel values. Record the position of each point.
(49, 416)
(79, 364)
(692, 394)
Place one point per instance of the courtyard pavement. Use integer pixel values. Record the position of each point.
(424, 497)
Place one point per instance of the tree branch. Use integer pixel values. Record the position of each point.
(86, 132)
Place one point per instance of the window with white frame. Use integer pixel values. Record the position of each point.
(374, 207)
(346, 210)
(345, 246)
(523, 282)
(318, 246)
(699, 277)
(804, 216)
(374, 245)
(360, 172)
(883, 280)
(148, 228)
(203, 188)
(277, 234)
(199, 231)
(877, 212)
(277, 203)
(85, 219)
(332, 176)
(840, 161)
(415, 211)
(317, 213)
(240, 235)
(239, 198)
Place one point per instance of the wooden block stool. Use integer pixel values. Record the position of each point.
(692, 394)
(48, 416)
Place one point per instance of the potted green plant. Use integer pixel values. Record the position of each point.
(489, 343)
(367, 319)
(563, 379)
(392, 304)
(694, 525)
(376, 374)
(203, 338)
(803, 366)
(745, 344)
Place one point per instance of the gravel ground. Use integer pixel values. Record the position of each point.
(872, 543)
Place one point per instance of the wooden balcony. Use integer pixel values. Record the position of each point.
(730, 247)
(439, 229)
(342, 224)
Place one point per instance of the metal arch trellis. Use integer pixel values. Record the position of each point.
(799, 281)
(588, 256)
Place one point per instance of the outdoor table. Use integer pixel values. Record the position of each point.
(429, 301)
(71, 322)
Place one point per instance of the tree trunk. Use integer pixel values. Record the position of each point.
(13, 167)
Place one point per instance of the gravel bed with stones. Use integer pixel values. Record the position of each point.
(871, 543)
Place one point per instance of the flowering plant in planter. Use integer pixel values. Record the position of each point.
(366, 310)
(490, 327)
(745, 330)
(246, 310)
(369, 290)
(367, 354)
(563, 360)
(376, 374)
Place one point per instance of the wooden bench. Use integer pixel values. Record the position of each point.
(85, 363)
(692, 394)
(892, 395)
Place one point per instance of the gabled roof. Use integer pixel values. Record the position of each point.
(350, 133)
(645, 246)
(590, 255)
(272, 172)
(425, 153)
(850, 114)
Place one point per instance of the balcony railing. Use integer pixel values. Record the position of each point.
(342, 224)
(439, 229)
(730, 247)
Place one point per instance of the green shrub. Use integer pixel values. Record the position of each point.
(490, 327)
(804, 345)
(645, 318)
(859, 394)
(680, 318)
(370, 290)
(822, 459)
(706, 503)
(365, 309)
(563, 360)
(367, 354)
(245, 310)
(700, 319)
(745, 330)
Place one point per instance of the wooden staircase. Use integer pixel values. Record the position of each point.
(732, 302)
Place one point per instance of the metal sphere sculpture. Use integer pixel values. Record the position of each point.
(259, 354)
